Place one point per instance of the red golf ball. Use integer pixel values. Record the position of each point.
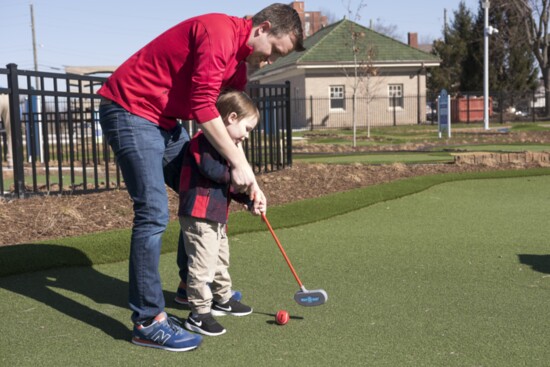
(282, 317)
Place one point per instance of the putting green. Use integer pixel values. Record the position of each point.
(456, 275)
(376, 158)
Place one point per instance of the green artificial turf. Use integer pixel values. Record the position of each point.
(455, 274)
(375, 158)
(436, 155)
(112, 246)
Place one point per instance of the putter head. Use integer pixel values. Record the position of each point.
(311, 298)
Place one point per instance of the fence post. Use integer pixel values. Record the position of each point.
(16, 132)
(467, 108)
(394, 98)
(500, 105)
(418, 103)
(311, 111)
(288, 125)
(533, 106)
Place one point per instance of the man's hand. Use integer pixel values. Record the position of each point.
(242, 176)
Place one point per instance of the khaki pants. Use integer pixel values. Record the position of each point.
(207, 247)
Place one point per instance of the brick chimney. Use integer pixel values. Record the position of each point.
(413, 39)
(312, 21)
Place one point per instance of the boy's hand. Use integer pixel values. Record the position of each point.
(259, 204)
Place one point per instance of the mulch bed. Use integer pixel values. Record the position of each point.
(48, 217)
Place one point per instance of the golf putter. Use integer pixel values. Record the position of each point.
(303, 297)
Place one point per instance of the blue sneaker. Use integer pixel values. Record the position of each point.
(181, 295)
(165, 333)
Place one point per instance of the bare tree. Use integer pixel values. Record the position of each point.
(368, 85)
(363, 69)
(331, 16)
(535, 15)
(390, 30)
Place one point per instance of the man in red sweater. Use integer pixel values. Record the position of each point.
(179, 75)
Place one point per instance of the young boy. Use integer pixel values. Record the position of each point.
(205, 193)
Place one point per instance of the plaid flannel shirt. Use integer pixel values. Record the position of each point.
(205, 183)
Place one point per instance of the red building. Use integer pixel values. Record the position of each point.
(312, 21)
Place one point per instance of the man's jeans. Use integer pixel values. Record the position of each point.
(148, 157)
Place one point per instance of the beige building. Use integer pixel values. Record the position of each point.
(387, 77)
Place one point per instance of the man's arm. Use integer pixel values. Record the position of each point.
(208, 160)
(242, 176)
(259, 201)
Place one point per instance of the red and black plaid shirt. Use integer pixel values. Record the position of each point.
(205, 183)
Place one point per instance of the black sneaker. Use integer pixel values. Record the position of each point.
(204, 324)
(231, 307)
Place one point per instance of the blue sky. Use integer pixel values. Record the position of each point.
(102, 32)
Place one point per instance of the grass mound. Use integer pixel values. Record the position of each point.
(112, 246)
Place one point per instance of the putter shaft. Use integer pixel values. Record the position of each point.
(264, 218)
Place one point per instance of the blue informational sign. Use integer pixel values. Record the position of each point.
(444, 113)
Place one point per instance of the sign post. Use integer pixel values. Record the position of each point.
(444, 113)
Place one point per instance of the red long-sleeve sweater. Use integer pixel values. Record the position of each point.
(180, 73)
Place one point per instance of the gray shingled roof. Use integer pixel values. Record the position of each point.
(333, 44)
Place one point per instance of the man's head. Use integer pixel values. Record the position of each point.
(277, 31)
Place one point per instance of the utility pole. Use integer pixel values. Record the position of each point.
(487, 31)
(36, 105)
(37, 80)
(445, 24)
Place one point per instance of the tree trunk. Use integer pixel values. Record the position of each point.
(354, 120)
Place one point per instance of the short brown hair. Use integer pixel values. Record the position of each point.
(231, 100)
(284, 20)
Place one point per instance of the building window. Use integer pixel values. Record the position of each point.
(395, 93)
(337, 97)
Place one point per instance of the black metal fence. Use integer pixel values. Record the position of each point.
(58, 145)
(504, 106)
(314, 113)
(270, 145)
(319, 113)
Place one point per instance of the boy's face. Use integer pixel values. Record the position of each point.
(238, 129)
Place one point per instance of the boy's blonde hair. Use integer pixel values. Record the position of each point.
(236, 101)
